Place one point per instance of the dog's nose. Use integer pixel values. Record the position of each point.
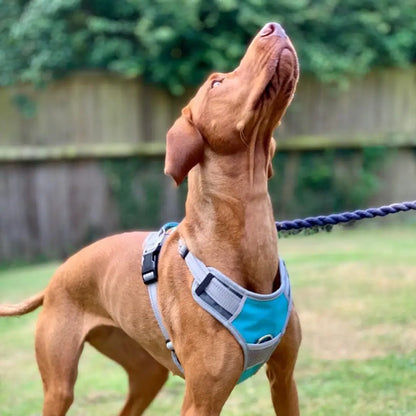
(273, 29)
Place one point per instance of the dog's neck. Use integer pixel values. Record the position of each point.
(229, 221)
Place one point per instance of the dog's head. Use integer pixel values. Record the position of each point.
(231, 112)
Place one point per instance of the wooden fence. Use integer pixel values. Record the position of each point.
(57, 145)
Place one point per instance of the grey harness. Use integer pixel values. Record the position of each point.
(257, 321)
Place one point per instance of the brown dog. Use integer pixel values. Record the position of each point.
(224, 140)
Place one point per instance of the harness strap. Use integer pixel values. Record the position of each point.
(228, 300)
(151, 250)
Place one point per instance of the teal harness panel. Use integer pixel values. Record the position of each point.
(257, 321)
(273, 315)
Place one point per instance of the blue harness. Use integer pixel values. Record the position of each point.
(257, 321)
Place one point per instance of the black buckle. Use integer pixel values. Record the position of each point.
(203, 285)
(150, 258)
(149, 265)
(149, 268)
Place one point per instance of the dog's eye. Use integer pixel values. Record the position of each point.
(215, 83)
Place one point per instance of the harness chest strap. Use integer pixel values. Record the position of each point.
(257, 321)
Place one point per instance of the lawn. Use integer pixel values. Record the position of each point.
(355, 290)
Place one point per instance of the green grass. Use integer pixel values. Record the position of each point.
(355, 291)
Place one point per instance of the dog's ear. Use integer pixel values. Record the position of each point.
(272, 151)
(184, 147)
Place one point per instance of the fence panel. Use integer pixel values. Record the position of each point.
(83, 157)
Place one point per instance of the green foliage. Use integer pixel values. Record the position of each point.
(176, 42)
(138, 188)
(136, 199)
(325, 181)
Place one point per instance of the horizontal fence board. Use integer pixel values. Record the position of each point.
(85, 151)
(108, 150)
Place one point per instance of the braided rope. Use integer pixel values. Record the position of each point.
(327, 221)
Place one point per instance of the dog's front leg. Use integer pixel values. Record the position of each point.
(280, 368)
(211, 372)
(206, 395)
